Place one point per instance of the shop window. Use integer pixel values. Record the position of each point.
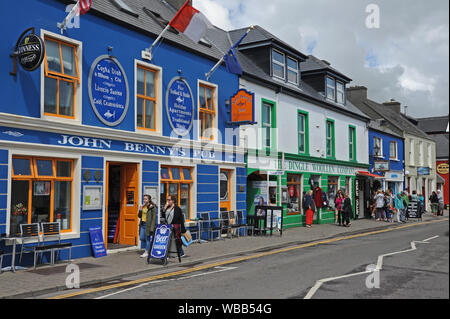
(179, 185)
(37, 195)
(333, 186)
(294, 185)
(62, 78)
(207, 111)
(146, 86)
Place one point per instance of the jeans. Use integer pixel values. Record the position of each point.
(145, 240)
(379, 213)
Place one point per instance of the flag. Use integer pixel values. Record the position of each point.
(231, 63)
(191, 22)
(85, 5)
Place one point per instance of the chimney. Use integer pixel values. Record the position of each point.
(177, 4)
(357, 93)
(396, 106)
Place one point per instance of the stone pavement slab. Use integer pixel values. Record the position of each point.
(47, 279)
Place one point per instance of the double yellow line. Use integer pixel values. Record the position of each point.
(235, 260)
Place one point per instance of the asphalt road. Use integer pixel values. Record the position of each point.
(413, 271)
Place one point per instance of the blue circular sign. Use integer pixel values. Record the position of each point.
(180, 106)
(108, 90)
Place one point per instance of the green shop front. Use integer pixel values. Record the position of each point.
(283, 180)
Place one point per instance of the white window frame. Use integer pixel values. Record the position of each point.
(396, 150)
(430, 164)
(340, 91)
(412, 154)
(280, 64)
(288, 68)
(215, 130)
(380, 144)
(159, 97)
(331, 87)
(79, 90)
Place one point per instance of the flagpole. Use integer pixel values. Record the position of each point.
(208, 75)
(149, 50)
(72, 13)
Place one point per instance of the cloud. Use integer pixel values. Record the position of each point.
(406, 58)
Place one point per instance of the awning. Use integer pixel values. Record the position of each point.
(440, 179)
(364, 173)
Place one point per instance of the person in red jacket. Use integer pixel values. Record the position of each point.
(318, 197)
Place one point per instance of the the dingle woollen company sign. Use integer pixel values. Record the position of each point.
(30, 52)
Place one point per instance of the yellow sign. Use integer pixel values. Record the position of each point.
(443, 168)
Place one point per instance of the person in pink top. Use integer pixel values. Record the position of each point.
(338, 204)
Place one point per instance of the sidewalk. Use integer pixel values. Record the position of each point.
(47, 279)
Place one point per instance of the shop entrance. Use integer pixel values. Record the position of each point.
(122, 205)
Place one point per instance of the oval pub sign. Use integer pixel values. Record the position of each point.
(180, 106)
(108, 90)
(30, 52)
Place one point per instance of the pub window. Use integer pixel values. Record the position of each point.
(41, 191)
(393, 150)
(146, 88)
(177, 181)
(207, 111)
(294, 184)
(62, 78)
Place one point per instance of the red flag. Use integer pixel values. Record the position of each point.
(190, 22)
(85, 5)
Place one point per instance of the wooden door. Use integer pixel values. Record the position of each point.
(129, 204)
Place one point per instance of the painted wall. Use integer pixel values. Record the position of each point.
(394, 165)
(22, 93)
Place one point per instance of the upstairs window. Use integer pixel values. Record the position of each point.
(377, 147)
(340, 92)
(266, 124)
(393, 150)
(292, 67)
(61, 79)
(351, 143)
(330, 139)
(207, 111)
(146, 98)
(278, 64)
(331, 89)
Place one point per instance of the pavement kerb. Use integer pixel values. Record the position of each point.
(191, 264)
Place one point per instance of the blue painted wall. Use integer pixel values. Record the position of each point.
(395, 165)
(3, 189)
(22, 93)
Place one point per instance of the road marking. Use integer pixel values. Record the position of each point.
(221, 269)
(319, 283)
(235, 260)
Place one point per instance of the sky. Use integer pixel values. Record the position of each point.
(403, 55)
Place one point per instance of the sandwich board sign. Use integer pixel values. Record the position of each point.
(161, 241)
(97, 243)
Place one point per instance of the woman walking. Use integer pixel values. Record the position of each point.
(399, 207)
(147, 214)
(379, 204)
(174, 216)
(338, 202)
(310, 208)
(346, 211)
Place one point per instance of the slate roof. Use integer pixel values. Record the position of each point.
(442, 145)
(314, 64)
(433, 124)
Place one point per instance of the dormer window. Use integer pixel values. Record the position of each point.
(278, 64)
(340, 89)
(331, 89)
(292, 68)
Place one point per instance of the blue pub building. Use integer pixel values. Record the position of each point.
(89, 125)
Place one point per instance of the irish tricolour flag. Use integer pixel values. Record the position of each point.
(191, 22)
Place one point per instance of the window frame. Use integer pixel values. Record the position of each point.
(352, 145)
(52, 180)
(182, 180)
(380, 154)
(340, 91)
(279, 64)
(331, 138)
(395, 150)
(296, 71)
(329, 86)
(305, 116)
(77, 81)
(145, 97)
(273, 124)
(202, 112)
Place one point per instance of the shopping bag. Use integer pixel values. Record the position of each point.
(187, 235)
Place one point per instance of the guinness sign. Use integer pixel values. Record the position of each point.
(30, 52)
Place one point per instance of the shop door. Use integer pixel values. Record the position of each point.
(225, 190)
(129, 204)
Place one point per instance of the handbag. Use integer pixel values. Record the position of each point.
(187, 235)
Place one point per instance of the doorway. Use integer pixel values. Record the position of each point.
(122, 205)
(225, 190)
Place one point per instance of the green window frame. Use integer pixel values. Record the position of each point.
(268, 126)
(330, 139)
(303, 132)
(352, 143)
